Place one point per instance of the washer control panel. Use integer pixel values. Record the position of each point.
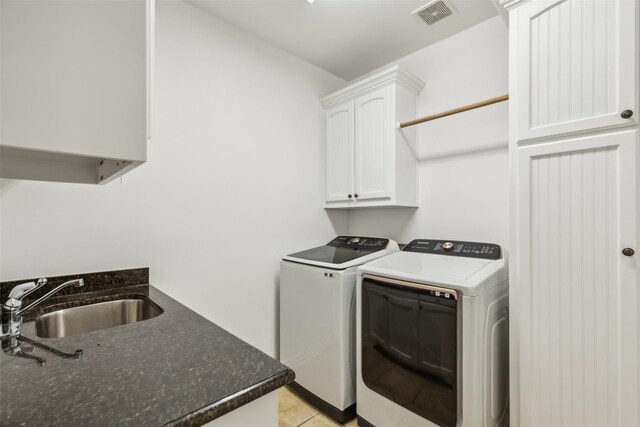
(455, 248)
(373, 243)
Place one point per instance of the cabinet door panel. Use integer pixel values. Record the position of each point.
(576, 66)
(75, 77)
(373, 142)
(576, 294)
(339, 153)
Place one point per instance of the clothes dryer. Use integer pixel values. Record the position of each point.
(432, 337)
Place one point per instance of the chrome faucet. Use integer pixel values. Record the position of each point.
(12, 310)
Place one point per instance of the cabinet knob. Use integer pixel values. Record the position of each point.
(349, 195)
(628, 252)
(626, 114)
(355, 195)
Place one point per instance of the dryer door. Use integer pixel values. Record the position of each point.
(409, 345)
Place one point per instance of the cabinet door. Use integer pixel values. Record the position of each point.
(76, 88)
(576, 66)
(339, 153)
(75, 77)
(374, 140)
(576, 294)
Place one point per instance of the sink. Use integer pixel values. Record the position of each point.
(92, 317)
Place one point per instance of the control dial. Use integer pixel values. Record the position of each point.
(447, 246)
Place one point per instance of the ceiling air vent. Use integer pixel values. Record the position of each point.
(434, 11)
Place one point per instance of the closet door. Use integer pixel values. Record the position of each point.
(576, 63)
(577, 289)
(374, 141)
(339, 150)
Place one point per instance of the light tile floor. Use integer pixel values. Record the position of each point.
(293, 411)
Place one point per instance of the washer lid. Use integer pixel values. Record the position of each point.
(344, 252)
(470, 276)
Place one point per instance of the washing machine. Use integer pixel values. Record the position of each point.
(317, 319)
(432, 336)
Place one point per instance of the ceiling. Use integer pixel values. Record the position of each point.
(348, 38)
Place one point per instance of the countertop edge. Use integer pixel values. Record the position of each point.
(221, 407)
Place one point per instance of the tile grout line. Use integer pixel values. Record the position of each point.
(299, 401)
(309, 419)
(305, 421)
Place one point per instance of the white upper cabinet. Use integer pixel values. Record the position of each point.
(373, 130)
(575, 66)
(75, 88)
(368, 160)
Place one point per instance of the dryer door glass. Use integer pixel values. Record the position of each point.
(409, 348)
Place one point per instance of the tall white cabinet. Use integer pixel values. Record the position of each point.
(575, 217)
(368, 160)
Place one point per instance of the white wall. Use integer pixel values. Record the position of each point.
(233, 182)
(462, 158)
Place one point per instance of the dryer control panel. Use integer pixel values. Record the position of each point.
(455, 248)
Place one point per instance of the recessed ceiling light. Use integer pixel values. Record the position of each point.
(311, 1)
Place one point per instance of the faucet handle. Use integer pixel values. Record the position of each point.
(18, 291)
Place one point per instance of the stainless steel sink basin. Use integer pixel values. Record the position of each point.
(92, 317)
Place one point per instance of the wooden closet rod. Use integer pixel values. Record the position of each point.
(454, 111)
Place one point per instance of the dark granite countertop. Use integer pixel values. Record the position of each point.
(175, 369)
